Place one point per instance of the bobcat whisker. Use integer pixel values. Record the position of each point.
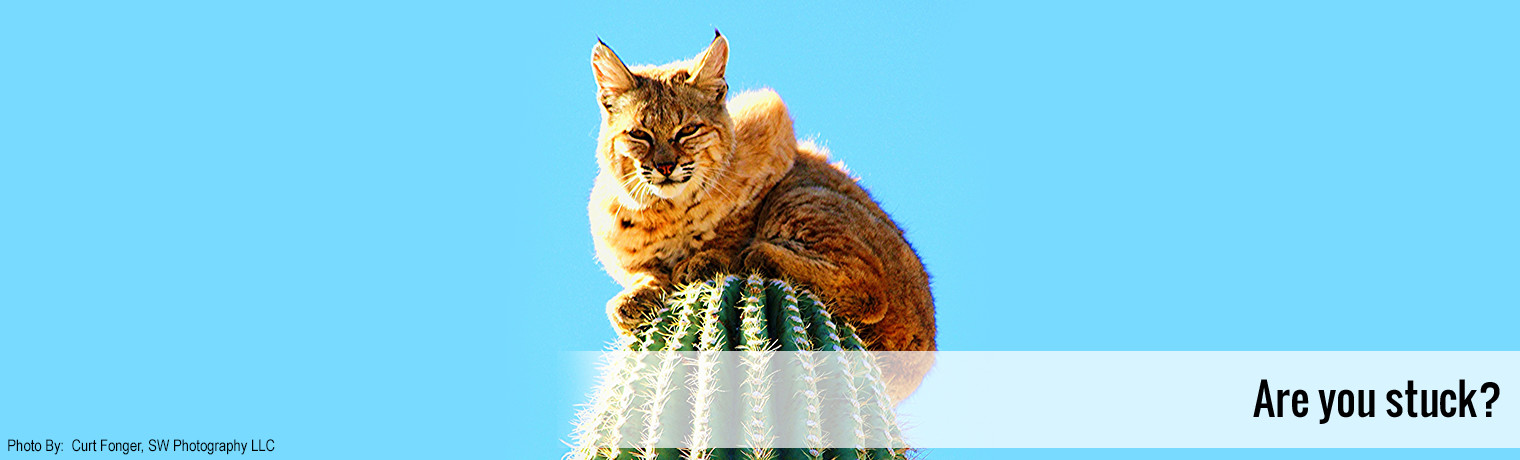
(636, 186)
(719, 186)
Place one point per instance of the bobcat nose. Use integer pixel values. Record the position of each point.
(665, 168)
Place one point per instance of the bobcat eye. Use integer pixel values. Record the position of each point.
(640, 135)
(686, 131)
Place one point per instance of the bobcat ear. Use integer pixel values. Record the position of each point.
(612, 76)
(708, 73)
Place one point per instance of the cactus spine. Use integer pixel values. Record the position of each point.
(654, 399)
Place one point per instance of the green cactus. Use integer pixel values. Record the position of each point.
(656, 398)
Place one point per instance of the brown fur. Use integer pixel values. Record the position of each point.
(754, 199)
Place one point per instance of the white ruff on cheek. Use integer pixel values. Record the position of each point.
(632, 189)
(627, 201)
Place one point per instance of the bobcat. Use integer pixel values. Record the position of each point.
(691, 187)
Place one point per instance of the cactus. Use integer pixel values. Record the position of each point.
(664, 399)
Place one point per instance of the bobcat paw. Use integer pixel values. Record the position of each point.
(700, 267)
(632, 307)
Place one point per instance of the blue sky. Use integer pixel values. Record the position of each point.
(359, 228)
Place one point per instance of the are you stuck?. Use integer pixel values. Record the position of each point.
(1362, 403)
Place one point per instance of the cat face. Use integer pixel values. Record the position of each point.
(665, 132)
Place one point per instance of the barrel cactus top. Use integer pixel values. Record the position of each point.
(778, 394)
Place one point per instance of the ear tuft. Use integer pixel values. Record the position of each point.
(708, 71)
(612, 76)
